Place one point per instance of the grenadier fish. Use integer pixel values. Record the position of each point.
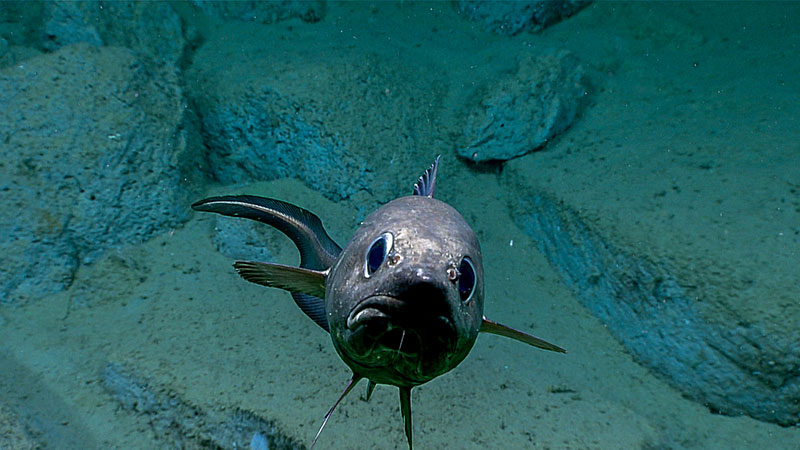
(403, 301)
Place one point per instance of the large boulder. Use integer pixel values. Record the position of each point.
(20, 25)
(512, 17)
(672, 214)
(94, 147)
(263, 12)
(733, 366)
(268, 136)
(345, 122)
(522, 111)
(153, 30)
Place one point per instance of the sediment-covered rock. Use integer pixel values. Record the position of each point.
(94, 150)
(341, 121)
(268, 136)
(263, 12)
(521, 112)
(512, 17)
(151, 29)
(731, 366)
(179, 424)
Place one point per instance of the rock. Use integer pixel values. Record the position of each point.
(732, 368)
(241, 239)
(95, 150)
(179, 424)
(521, 112)
(258, 442)
(151, 29)
(343, 122)
(510, 18)
(65, 23)
(13, 54)
(263, 12)
(268, 137)
(13, 432)
(20, 31)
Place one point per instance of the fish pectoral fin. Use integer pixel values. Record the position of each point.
(488, 326)
(317, 250)
(290, 278)
(405, 410)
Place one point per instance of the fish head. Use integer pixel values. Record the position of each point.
(405, 298)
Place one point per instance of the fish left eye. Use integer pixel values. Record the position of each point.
(376, 254)
(466, 279)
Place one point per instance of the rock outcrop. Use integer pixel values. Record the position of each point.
(95, 151)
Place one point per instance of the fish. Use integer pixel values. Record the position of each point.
(402, 301)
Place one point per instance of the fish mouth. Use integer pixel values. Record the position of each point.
(372, 309)
(393, 324)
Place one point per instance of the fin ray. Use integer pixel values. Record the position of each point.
(290, 278)
(350, 385)
(427, 182)
(405, 410)
(488, 326)
(306, 286)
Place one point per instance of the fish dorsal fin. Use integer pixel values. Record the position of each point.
(307, 286)
(424, 186)
(488, 326)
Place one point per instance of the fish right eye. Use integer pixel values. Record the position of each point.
(377, 252)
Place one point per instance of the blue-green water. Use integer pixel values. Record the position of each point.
(631, 171)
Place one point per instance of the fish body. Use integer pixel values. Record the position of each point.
(402, 301)
(407, 321)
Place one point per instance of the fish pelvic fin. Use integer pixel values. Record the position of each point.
(488, 326)
(350, 385)
(427, 182)
(405, 410)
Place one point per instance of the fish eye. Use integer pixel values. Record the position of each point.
(377, 253)
(466, 279)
